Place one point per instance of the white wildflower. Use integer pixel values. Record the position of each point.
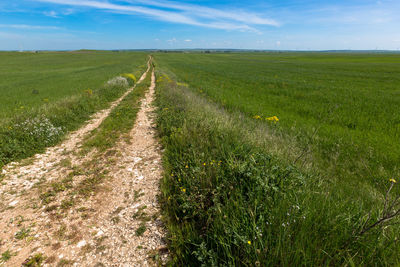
(118, 81)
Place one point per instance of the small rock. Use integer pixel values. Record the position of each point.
(99, 233)
(81, 244)
(12, 204)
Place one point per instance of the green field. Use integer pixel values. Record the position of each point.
(270, 159)
(54, 76)
(59, 90)
(294, 192)
(352, 100)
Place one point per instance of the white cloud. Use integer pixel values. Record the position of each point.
(172, 41)
(68, 11)
(188, 40)
(52, 14)
(28, 27)
(215, 18)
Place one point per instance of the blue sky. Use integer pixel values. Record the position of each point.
(165, 24)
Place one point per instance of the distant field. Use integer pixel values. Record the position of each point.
(27, 79)
(352, 99)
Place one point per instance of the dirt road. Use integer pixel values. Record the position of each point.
(116, 224)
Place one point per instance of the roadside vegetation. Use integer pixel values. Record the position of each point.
(249, 181)
(56, 93)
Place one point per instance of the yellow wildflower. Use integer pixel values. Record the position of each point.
(129, 76)
(393, 180)
(186, 166)
(273, 119)
(249, 242)
(183, 189)
(89, 92)
(257, 117)
(204, 164)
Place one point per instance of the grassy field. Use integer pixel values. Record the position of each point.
(350, 100)
(304, 190)
(58, 91)
(271, 159)
(27, 79)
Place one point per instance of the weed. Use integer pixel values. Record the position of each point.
(51, 208)
(117, 211)
(138, 194)
(22, 234)
(66, 163)
(140, 230)
(60, 234)
(6, 255)
(65, 262)
(115, 219)
(34, 261)
(67, 203)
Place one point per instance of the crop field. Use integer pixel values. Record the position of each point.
(59, 89)
(281, 158)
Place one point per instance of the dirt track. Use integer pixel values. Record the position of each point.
(118, 225)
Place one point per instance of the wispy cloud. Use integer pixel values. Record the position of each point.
(52, 14)
(183, 14)
(7, 35)
(211, 13)
(28, 27)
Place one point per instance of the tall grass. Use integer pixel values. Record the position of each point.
(229, 200)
